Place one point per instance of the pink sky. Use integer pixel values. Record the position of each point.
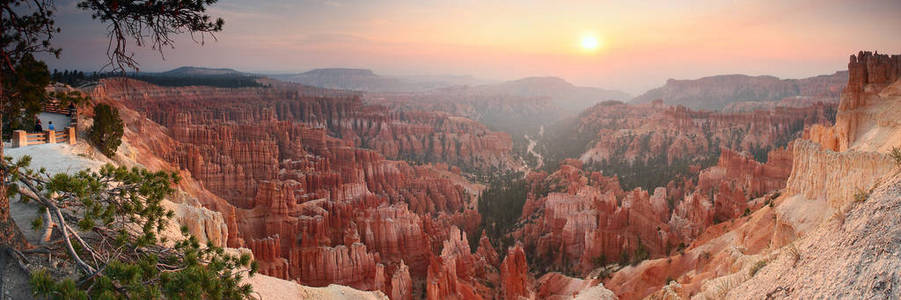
(643, 44)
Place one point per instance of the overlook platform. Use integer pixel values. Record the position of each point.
(21, 138)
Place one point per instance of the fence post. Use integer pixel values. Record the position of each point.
(71, 130)
(20, 138)
(51, 136)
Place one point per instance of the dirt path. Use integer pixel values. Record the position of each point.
(531, 149)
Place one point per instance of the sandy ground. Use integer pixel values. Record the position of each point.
(55, 158)
(271, 288)
(597, 292)
(13, 282)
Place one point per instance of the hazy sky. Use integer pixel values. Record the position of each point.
(642, 43)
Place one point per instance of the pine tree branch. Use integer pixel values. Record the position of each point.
(54, 210)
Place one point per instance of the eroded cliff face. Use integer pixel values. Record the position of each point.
(657, 133)
(459, 272)
(724, 192)
(206, 215)
(854, 257)
(287, 177)
(414, 135)
(866, 112)
(849, 159)
(583, 220)
(833, 178)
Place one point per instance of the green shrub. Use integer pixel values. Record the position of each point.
(896, 155)
(106, 134)
(599, 261)
(793, 253)
(759, 265)
(861, 195)
(641, 254)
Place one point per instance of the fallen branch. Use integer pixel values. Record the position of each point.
(54, 210)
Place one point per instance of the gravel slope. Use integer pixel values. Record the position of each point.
(858, 257)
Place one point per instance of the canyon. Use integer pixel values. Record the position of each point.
(381, 191)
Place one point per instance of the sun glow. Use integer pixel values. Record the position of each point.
(590, 43)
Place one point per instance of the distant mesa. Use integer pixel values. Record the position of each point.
(547, 81)
(347, 79)
(201, 71)
(562, 93)
(743, 92)
(339, 72)
(366, 80)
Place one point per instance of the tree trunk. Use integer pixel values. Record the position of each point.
(9, 231)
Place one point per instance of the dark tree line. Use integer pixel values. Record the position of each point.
(500, 206)
(79, 78)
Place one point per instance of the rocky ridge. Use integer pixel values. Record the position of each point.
(639, 133)
(726, 91)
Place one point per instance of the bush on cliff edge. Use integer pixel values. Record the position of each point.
(106, 134)
(896, 155)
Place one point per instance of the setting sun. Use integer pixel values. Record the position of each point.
(590, 42)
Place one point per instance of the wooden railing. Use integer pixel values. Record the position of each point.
(22, 138)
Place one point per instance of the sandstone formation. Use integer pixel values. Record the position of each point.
(847, 173)
(401, 283)
(416, 135)
(867, 103)
(723, 191)
(459, 273)
(267, 287)
(516, 282)
(586, 220)
(290, 173)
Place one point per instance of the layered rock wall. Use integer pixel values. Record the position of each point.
(834, 177)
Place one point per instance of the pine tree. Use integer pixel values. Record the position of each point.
(106, 133)
(119, 208)
(121, 205)
(28, 27)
